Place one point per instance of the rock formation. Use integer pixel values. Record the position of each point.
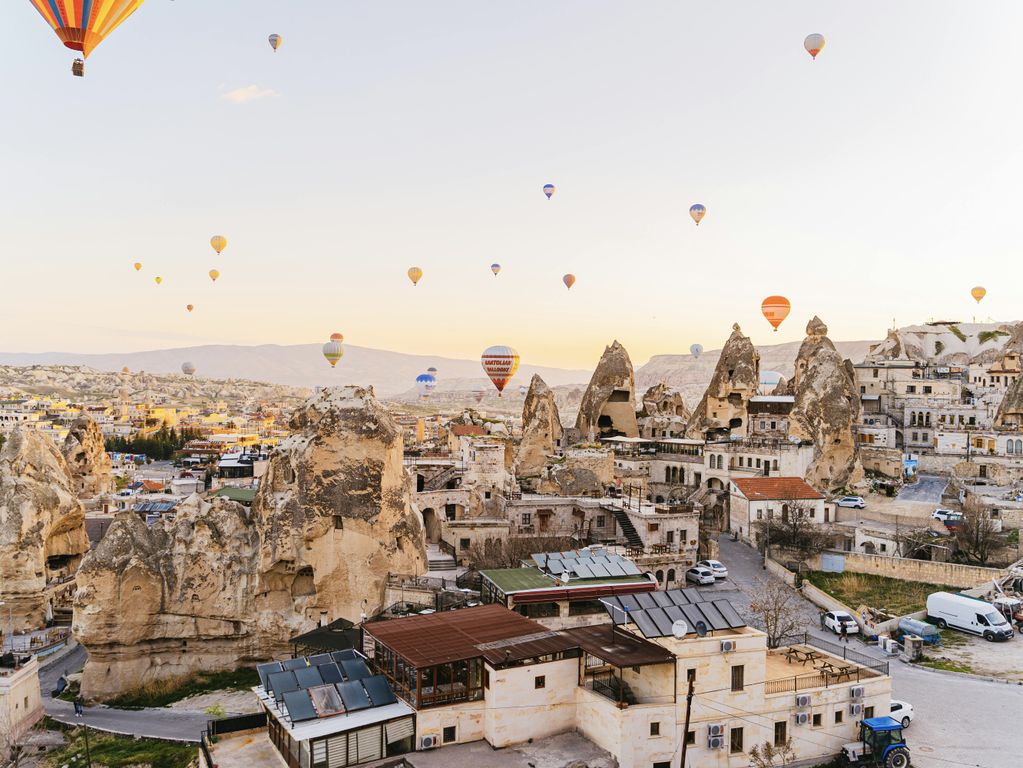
(87, 458)
(541, 430)
(1010, 410)
(609, 404)
(826, 410)
(42, 524)
(221, 586)
(664, 413)
(580, 472)
(736, 379)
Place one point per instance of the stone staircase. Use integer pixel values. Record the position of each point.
(438, 560)
(628, 529)
(439, 481)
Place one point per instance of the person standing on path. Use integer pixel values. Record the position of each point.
(79, 709)
(845, 632)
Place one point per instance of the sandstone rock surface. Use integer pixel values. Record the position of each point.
(736, 379)
(826, 410)
(87, 458)
(664, 413)
(541, 430)
(609, 404)
(581, 472)
(42, 524)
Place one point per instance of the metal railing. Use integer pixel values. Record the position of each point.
(236, 723)
(841, 650)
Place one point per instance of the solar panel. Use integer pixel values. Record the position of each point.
(630, 602)
(662, 599)
(354, 695)
(714, 617)
(598, 570)
(630, 568)
(615, 569)
(568, 555)
(354, 669)
(282, 682)
(265, 670)
(685, 596)
(587, 553)
(674, 613)
(320, 658)
(554, 565)
(730, 614)
(296, 663)
(692, 614)
(308, 677)
(601, 559)
(645, 624)
(347, 653)
(661, 620)
(300, 706)
(540, 560)
(379, 691)
(331, 673)
(582, 570)
(645, 601)
(326, 700)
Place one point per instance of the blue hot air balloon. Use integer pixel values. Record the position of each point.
(425, 384)
(696, 350)
(548, 189)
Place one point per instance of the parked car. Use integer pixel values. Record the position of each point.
(699, 575)
(902, 712)
(714, 566)
(947, 515)
(970, 614)
(834, 620)
(856, 502)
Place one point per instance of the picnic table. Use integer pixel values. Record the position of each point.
(802, 654)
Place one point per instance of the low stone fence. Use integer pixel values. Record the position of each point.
(925, 571)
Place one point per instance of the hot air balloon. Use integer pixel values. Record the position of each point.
(425, 384)
(137, 265)
(158, 279)
(275, 41)
(548, 189)
(814, 44)
(189, 307)
(479, 392)
(332, 350)
(81, 26)
(219, 243)
(697, 211)
(415, 274)
(125, 370)
(500, 364)
(495, 268)
(432, 371)
(979, 293)
(188, 369)
(696, 350)
(775, 309)
(568, 280)
(214, 274)
(769, 380)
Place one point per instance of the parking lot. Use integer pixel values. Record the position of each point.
(977, 655)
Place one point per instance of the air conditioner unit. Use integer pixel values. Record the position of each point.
(856, 692)
(727, 646)
(715, 730)
(803, 700)
(429, 741)
(802, 718)
(856, 709)
(716, 742)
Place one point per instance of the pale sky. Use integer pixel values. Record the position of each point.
(879, 181)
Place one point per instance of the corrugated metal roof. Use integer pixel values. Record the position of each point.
(618, 647)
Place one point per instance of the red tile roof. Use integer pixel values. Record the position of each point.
(152, 485)
(470, 430)
(776, 488)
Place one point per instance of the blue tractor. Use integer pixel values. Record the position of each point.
(881, 744)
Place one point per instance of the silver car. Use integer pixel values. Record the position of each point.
(700, 576)
(714, 566)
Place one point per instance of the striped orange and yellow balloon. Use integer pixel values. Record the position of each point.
(83, 24)
(415, 274)
(775, 309)
(500, 364)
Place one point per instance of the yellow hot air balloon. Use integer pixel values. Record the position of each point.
(189, 307)
(219, 243)
(214, 274)
(814, 44)
(979, 293)
(415, 274)
(158, 279)
(275, 41)
(83, 24)
(137, 265)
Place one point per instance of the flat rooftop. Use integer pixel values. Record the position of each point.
(617, 646)
(247, 749)
(513, 580)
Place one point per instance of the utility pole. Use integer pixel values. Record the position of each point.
(767, 544)
(685, 728)
(88, 756)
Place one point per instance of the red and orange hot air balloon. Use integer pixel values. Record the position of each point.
(775, 309)
(83, 24)
(500, 364)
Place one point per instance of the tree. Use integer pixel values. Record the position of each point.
(795, 530)
(510, 552)
(775, 609)
(768, 755)
(977, 537)
(13, 748)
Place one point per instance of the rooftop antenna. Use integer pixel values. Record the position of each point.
(679, 629)
(701, 628)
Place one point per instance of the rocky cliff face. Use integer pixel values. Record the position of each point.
(87, 458)
(1010, 410)
(42, 524)
(664, 414)
(609, 404)
(582, 472)
(736, 379)
(222, 586)
(541, 430)
(826, 410)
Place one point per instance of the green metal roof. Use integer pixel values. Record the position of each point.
(511, 580)
(241, 495)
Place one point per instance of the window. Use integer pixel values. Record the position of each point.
(449, 734)
(540, 681)
(690, 675)
(463, 543)
(486, 494)
(868, 712)
(600, 521)
(691, 737)
(780, 733)
(875, 373)
(911, 389)
(816, 721)
(760, 514)
(663, 764)
(527, 518)
(486, 678)
(738, 677)
(339, 523)
(736, 740)
(838, 716)
(655, 729)
(927, 390)
(884, 546)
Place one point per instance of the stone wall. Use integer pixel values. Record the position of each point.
(925, 571)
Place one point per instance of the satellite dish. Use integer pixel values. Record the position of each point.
(701, 629)
(679, 629)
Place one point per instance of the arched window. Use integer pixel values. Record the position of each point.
(671, 576)
(1019, 446)
(667, 474)
(1009, 446)
(660, 577)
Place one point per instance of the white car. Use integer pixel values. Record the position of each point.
(714, 566)
(902, 712)
(856, 502)
(834, 620)
(701, 576)
(944, 515)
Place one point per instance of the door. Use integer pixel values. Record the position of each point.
(832, 562)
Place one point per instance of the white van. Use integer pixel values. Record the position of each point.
(969, 614)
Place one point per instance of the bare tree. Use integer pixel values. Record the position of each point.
(795, 530)
(977, 537)
(510, 552)
(13, 748)
(767, 755)
(775, 609)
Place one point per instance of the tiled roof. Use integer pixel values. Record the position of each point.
(776, 488)
(468, 430)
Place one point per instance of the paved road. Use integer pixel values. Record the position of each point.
(173, 724)
(960, 721)
(928, 488)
